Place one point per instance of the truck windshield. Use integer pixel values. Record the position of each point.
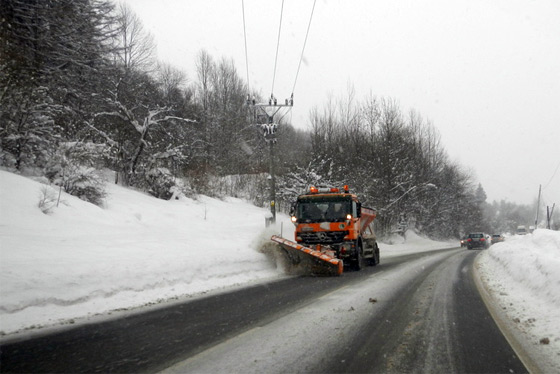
(323, 211)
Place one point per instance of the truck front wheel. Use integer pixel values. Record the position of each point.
(359, 258)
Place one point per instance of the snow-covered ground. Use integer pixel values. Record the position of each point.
(522, 277)
(81, 261)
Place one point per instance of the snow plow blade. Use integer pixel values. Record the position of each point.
(316, 262)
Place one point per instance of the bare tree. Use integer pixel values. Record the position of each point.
(205, 71)
(172, 83)
(136, 46)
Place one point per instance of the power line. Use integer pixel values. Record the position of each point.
(287, 112)
(277, 47)
(304, 43)
(246, 54)
(553, 175)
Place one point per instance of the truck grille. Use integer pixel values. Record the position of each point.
(326, 237)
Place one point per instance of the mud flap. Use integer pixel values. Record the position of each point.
(317, 262)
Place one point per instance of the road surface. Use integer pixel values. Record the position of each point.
(413, 313)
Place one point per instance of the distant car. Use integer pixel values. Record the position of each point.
(496, 238)
(464, 241)
(477, 240)
(521, 230)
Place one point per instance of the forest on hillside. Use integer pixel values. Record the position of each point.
(81, 90)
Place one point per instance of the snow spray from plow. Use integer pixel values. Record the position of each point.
(318, 263)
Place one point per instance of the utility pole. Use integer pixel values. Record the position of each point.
(549, 214)
(263, 116)
(538, 204)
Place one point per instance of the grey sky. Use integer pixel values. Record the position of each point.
(485, 72)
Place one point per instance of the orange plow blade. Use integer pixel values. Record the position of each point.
(317, 262)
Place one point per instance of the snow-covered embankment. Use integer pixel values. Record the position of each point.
(522, 276)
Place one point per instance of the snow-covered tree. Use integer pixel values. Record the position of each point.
(395, 164)
(52, 52)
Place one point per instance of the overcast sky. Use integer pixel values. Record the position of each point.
(485, 72)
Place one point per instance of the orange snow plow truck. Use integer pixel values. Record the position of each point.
(332, 229)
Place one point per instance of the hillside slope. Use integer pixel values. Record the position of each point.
(82, 260)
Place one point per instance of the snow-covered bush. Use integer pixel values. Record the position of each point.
(72, 167)
(84, 183)
(201, 182)
(251, 187)
(47, 199)
(164, 185)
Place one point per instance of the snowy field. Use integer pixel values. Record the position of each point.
(81, 262)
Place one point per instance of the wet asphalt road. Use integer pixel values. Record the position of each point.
(436, 322)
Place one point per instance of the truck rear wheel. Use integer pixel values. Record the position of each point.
(375, 258)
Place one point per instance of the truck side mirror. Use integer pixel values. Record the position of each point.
(293, 209)
(358, 210)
